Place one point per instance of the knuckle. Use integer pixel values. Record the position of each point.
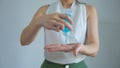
(64, 22)
(51, 21)
(55, 14)
(50, 28)
(66, 16)
(54, 17)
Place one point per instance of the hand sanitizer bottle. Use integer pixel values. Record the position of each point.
(66, 30)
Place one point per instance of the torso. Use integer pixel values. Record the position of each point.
(77, 36)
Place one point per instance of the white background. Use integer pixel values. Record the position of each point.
(15, 15)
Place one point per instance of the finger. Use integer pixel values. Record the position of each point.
(52, 46)
(66, 48)
(76, 50)
(55, 48)
(52, 50)
(67, 17)
(48, 46)
(69, 26)
(64, 16)
(55, 26)
(52, 27)
(58, 24)
(59, 47)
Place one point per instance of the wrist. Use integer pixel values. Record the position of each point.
(36, 22)
(34, 26)
(82, 48)
(40, 21)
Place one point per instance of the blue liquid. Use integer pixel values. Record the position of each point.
(66, 29)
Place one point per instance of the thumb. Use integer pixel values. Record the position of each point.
(76, 50)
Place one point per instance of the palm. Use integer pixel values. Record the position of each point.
(63, 47)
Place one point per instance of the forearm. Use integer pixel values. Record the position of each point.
(29, 33)
(89, 49)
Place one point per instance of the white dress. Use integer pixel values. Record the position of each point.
(78, 35)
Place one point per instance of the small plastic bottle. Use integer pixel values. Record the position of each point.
(66, 30)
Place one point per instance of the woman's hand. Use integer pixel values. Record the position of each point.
(54, 21)
(75, 48)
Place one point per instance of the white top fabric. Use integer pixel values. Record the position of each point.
(78, 12)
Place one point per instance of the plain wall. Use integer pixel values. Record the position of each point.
(15, 15)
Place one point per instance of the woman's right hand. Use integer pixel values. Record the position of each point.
(73, 47)
(54, 21)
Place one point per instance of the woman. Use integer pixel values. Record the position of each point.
(65, 49)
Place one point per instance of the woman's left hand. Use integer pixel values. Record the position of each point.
(74, 47)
